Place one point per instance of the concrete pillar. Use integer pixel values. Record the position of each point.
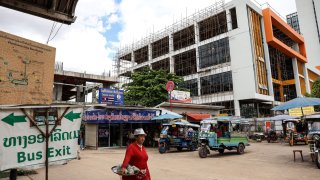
(229, 21)
(91, 135)
(199, 88)
(196, 30)
(80, 97)
(57, 92)
(306, 79)
(94, 95)
(237, 108)
(132, 59)
(171, 53)
(121, 134)
(296, 76)
(267, 60)
(149, 55)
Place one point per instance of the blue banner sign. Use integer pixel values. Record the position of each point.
(114, 97)
(117, 116)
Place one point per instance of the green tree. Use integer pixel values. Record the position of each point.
(148, 87)
(315, 91)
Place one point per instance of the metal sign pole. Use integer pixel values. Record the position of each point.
(47, 143)
(170, 101)
(47, 134)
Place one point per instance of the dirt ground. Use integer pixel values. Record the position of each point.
(260, 161)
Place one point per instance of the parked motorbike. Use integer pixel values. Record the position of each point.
(314, 140)
(272, 136)
(258, 136)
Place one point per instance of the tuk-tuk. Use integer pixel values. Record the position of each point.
(314, 137)
(217, 135)
(295, 131)
(178, 134)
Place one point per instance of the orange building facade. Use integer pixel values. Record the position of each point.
(288, 58)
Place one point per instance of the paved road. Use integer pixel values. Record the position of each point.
(260, 161)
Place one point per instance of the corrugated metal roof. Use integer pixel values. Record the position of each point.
(57, 10)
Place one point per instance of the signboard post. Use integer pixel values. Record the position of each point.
(170, 88)
(28, 142)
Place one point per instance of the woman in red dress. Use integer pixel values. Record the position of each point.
(136, 155)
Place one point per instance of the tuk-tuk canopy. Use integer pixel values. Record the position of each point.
(291, 120)
(208, 121)
(182, 123)
(224, 119)
(282, 117)
(313, 117)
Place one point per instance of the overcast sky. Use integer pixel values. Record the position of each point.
(102, 25)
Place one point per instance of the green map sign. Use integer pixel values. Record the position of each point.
(22, 145)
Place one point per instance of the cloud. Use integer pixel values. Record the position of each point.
(102, 26)
(141, 17)
(82, 45)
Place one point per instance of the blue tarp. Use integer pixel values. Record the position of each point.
(167, 116)
(298, 103)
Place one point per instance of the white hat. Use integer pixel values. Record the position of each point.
(139, 131)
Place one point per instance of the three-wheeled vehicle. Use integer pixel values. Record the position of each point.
(314, 137)
(178, 134)
(295, 131)
(217, 135)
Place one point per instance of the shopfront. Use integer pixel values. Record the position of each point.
(112, 127)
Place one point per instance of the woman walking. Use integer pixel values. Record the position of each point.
(136, 155)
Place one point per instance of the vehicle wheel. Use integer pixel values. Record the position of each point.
(179, 148)
(317, 157)
(240, 149)
(203, 152)
(162, 148)
(221, 151)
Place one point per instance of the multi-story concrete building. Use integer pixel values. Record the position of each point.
(234, 54)
(293, 21)
(309, 21)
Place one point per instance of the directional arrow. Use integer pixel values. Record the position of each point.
(71, 116)
(11, 119)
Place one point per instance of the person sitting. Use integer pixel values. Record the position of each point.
(190, 132)
(175, 132)
(219, 132)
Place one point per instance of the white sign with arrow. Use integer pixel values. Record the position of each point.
(22, 145)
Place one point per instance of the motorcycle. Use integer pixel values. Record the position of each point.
(315, 147)
(258, 136)
(272, 136)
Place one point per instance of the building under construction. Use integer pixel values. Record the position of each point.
(237, 54)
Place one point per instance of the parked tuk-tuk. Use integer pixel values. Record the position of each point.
(217, 135)
(295, 131)
(178, 134)
(314, 137)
